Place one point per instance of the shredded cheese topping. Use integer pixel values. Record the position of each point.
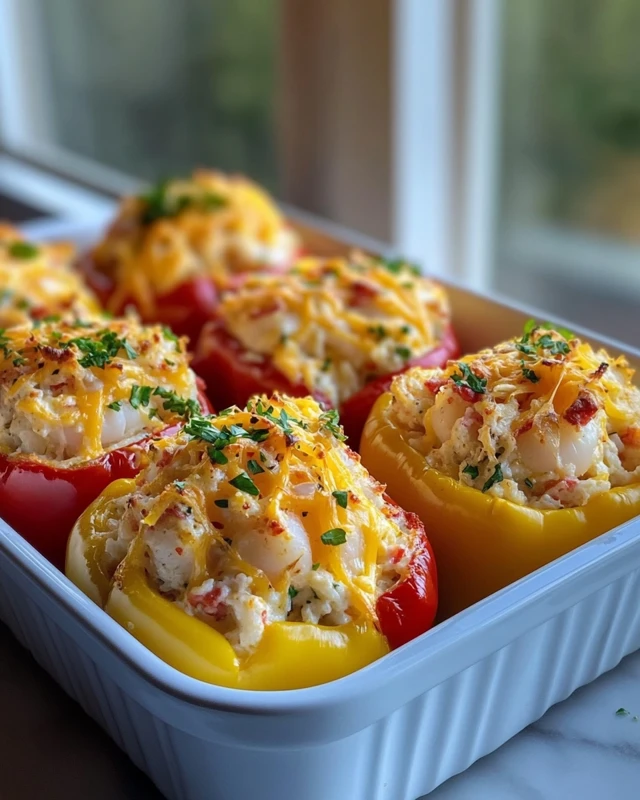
(260, 515)
(37, 281)
(334, 325)
(542, 420)
(71, 390)
(209, 225)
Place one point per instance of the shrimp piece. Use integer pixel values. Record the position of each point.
(446, 411)
(120, 425)
(276, 550)
(555, 445)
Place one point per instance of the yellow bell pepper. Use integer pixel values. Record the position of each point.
(290, 655)
(481, 543)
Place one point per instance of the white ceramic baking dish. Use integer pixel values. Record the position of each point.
(392, 731)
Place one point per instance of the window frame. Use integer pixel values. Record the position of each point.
(444, 153)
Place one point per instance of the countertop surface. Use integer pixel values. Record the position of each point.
(580, 748)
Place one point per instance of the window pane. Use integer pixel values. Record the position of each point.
(569, 208)
(156, 87)
(297, 95)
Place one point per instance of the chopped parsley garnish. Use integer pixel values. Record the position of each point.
(406, 329)
(115, 406)
(153, 412)
(140, 395)
(179, 485)
(243, 483)
(217, 455)
(170, 336)
(529, 374)
(379, 331)
(529, 346)
(52, 318)
(201, 428)
(325, 365)
(223, 503)
(23, 250)
(471, 471)
(19, 361)
(528, 482)
(497, 477)
(292, 592)
(342, 498)
(176, 404)
(99, 352)
(554, 346)
(23, 304)
(257, 434)
(282, 421)
(398, 265)
(404, 353)
(4, 343)
(334, 537)
(469, 379)
(315, 566)
(331, 421)
(159, 202)
(254, 467)
(564, 332)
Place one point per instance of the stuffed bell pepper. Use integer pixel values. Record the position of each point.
(37, 281)
(256, 552)
(515, 456)
(171, 250)
(334, 328)
(79, 405)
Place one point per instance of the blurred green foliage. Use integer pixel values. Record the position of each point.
(571, 102)
(156, 87)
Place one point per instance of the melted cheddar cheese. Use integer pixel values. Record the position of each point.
(261, 515)
(37, 281)
(542, 419)
(71, 390)
(209, 225)
(333, 325)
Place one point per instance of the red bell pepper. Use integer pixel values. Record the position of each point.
(42, 500)
(184, 309)
(409, 609)
(232, 377)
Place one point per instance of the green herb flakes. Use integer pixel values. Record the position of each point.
(140, 395)
(217, 456)
(331, 421)
(254, 467)
(497, 477)
(243, 483)
(469, 379)
(334, 537)
(23, 250)
(342, 498)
